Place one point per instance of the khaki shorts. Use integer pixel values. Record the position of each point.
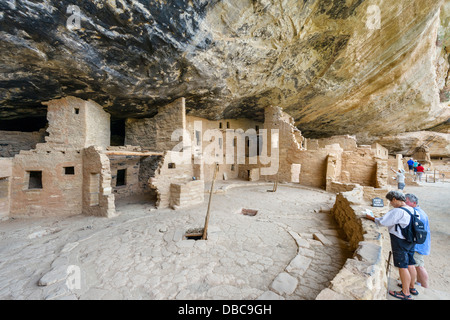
(419, 258)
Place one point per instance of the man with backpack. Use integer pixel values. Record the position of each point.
(423, 249)
(397, 220)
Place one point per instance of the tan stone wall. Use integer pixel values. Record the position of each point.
(186, 194)
(290, 145)
(98, 125)
(382, 173)
(344, 214)
(61, 193)
(131, 164)
(222, 127)
(379, 151)
(56, 167)
(155, 133)
(11, 142)
(348, 164)
(359, 167)
(75, 123)
(168, 173)
(362, 277)
(98, 199)
(5, 185)
(337, 187)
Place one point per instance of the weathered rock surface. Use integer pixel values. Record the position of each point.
(406, 143)
(331, 64)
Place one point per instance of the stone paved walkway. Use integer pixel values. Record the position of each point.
(290, 250)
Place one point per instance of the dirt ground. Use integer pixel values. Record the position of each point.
(434, 199)
(31, 246)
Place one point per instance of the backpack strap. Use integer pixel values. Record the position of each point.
(397, 225)
(407, 210)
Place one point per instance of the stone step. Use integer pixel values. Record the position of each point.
(424, 293)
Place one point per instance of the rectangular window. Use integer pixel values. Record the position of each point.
(121, 177)
(34, 179)
(69, 170)
(171, 165)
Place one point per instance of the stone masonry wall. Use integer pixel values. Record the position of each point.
(290, 144)
(11, 142)
(227, 170)
(186, 194)
(359, 167)
(98, 199)
(5, 185)
(60, 193)
(76, 123)
(131, 184)
(362, 277)
(169, 172)
(155, 133)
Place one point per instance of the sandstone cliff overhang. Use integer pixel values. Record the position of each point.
(337, 67)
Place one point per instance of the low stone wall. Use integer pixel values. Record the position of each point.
(187, 193)
(363, 277)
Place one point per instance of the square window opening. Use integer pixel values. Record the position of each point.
(76, 110)
(172, 166)
(34, 179)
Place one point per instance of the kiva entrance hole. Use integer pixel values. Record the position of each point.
(194, 234)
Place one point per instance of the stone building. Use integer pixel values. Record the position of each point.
(170, 159)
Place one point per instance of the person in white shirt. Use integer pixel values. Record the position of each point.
(400, 178)
(402, 250)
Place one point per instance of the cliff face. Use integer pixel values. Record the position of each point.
(361, 67)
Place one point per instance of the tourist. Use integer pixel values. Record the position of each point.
(410, 165)
(402, 250)
(421, 250)
(415, 164)
(400, 178)
(420, 170)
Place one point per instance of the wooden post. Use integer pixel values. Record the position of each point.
(133, 153)
(205, 229)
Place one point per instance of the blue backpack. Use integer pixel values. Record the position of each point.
(415, 231)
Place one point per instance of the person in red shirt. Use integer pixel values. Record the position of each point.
(420, 171)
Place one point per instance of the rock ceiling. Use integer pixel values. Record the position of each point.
(360, 67)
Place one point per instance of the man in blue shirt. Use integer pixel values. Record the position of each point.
(410, 165)
(421, 250)
(402, 250)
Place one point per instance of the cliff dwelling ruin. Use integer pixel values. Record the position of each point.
(76, 170)
(213, 150)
